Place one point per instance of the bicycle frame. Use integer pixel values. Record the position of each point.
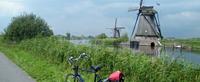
(76, 69)
(72, 61)
(94, 69)
(96, 76)
(76, 74)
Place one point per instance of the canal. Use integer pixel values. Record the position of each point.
(174, 53)
(188, 56)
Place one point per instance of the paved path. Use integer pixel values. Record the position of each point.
(9, 72)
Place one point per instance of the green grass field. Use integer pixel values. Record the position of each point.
(45, 60)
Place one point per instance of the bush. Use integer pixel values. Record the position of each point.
(27, 26)
(101, 36)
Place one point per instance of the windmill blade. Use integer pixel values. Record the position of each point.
(118, 32)
(158, 22)
(120, 27)
(115, 22)
(133, 9)
(160, 33)
(110, 28)
(135, 25)
(157, 16)
(141, 2)
(159, 30)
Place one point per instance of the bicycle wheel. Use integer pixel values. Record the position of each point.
(73, 78)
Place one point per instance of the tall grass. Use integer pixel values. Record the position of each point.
(136, 67)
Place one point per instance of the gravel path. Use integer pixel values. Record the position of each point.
(9, 72)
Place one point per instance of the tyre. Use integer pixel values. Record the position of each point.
(73, 78)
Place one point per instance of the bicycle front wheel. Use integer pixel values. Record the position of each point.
(73, 78)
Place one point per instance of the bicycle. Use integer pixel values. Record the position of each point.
(76, 77)
(95, 70)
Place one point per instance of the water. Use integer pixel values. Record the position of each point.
(79, 42)
(183, 54)
(174, 53)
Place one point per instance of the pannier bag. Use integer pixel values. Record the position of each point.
(117, 76)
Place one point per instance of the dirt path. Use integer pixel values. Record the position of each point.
(9, 72)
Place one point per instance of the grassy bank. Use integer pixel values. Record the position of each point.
(107, 41)
(193, 44)
(38, 68)
(44, 60)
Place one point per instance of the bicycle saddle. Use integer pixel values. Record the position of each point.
(95, 68)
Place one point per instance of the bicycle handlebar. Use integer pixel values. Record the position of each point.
(72, 59)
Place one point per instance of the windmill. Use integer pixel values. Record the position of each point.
(146, 29)
(116, 30)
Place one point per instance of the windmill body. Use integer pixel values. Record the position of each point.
(146, 31)
(116, 30)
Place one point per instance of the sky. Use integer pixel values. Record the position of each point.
(178, 18)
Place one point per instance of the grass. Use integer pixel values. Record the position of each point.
(194, 44)
(38, 68)
(44, 60)
(107, 41)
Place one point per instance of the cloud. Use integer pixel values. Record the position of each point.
(88, 17)
(93, 16)
(8, 7)
(90, 6)
(184, 16)
(78, 7)
(182, 24)
(181, 20)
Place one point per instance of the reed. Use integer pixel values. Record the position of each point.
(136, 67)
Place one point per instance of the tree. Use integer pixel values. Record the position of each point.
(90, 37)
(68, 36)
(27, 26)
(101, 36)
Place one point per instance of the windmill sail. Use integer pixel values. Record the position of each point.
(147, 24)
(147, 28)
(116, 30)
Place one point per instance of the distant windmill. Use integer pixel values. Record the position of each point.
(116, 30)
(147, 30)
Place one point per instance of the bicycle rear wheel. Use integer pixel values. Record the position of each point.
(73, 78)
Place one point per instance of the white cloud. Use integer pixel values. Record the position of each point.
(119, 5)
(8, 7)
(181, 24)
(184, 16)
(88, 5)
(78, 7)
(91, 17)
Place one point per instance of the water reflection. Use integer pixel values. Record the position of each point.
(175, 53)
(183, 54)
(149, 50)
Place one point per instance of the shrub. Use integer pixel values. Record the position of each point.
(27, 26)
(101, 36)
